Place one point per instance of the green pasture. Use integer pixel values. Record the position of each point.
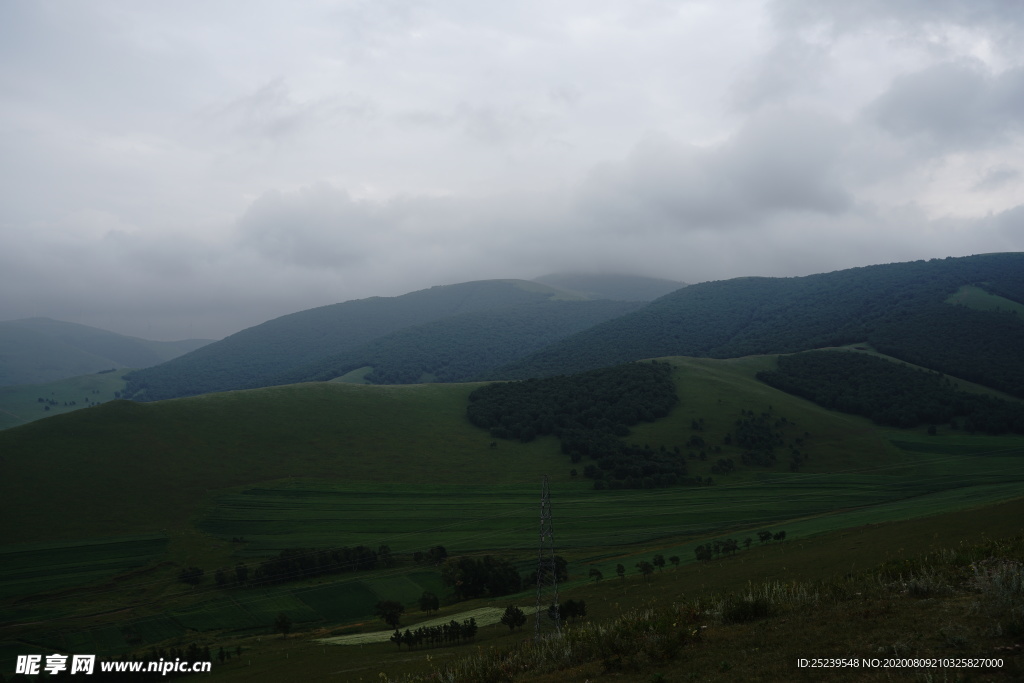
(128, 468)
(328, 600)
(465, 519)
(30, 568)
(357, 376)
(975, 297)
(20, 404)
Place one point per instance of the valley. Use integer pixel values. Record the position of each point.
(226, 479)
(270, 521)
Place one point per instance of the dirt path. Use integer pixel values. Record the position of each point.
(485, 616)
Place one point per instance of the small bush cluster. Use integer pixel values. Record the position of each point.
(1001, 584)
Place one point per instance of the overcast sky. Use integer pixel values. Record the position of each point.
(191, 168)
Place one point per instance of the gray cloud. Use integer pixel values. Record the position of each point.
(184, 169)
(781, 161)
(953, 106)
(995, 178)
(1001, 20)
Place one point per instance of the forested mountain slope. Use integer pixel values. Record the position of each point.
(262, 355)
(899, 308)
(36, 350)
(612, 286)
(463, 347)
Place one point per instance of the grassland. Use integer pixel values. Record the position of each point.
(20, 404)
(978, 299)
(861, 607)
(337, 464)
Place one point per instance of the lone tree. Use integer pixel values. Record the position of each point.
(674, 560)
(513, 617)
(621, 571)
(283, 623)
(658, 561)
(191, 575)
(596, 574)
(429, 602)
(764, 536)
(703, 553)
(646, 568)
(391, 612)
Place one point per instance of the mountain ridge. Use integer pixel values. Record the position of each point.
(258, 355)
(900, 308)
(40, 349)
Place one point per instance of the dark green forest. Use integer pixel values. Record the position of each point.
(464, 347)
(890, 393)
(898, 307)
(587, 412)
(256, 356)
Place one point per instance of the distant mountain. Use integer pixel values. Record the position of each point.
(36, 350)
(323, 340)
(616, 287)
(905, 310)
(463, 347)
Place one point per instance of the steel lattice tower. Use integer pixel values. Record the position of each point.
(546, 620)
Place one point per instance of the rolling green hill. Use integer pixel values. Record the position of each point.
(898, 308)
(298, 343)
(23, 403)
(38, 350)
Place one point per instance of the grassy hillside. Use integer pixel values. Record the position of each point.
(39, 350)
(898, 308)
(270, 353)
(138, 492)
(28, 402)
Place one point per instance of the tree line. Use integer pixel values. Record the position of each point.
(296, 564)
(451, 633)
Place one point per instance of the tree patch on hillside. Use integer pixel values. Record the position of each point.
(890, 393)
(587, 412)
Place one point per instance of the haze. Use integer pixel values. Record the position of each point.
(188, 169)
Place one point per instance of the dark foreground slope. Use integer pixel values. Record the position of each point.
(899, 308)
(36, 350)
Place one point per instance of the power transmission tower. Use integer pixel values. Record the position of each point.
(546, 620)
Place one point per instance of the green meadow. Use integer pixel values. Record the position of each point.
(977, 298)
(20, 403)
(104, 506)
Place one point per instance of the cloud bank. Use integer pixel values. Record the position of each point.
(186, 169)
